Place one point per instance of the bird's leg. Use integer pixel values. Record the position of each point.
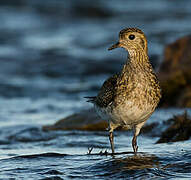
(134, 144)
(111, 141)
(136, 133)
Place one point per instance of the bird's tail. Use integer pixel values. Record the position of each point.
(90, 99)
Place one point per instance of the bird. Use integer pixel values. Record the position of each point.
(127, 99)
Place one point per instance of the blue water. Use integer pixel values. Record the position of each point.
(52, 55)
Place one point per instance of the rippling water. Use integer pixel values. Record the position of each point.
(52, 55)
(31, 153)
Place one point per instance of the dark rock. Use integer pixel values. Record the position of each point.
(175, 74)
(177, 55)
(179, 129)
(88, 120)
(84, 120)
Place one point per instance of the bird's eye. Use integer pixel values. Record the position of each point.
(131, 36)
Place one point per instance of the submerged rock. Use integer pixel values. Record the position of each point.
(175, 129)
(175, 74)
(179, 129)
(84, 120)
(88, 120)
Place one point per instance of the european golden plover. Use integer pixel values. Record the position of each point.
(128, 99)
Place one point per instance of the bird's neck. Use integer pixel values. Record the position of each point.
(137, 60)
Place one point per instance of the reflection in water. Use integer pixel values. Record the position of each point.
(139, 161)
(144, 165)
(134, 166)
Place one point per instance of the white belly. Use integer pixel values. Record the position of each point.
(125, 115)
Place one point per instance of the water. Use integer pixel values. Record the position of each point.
(52, 55)
(63, 155)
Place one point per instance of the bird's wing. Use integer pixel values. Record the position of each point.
(107, 92)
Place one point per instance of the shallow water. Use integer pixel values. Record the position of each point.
(156, 161)
(30, 153)
(52, 55)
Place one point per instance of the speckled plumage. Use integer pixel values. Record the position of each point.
(129, 98)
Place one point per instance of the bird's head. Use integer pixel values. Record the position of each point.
(131, 39)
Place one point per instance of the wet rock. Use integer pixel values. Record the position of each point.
(175, 74)
(84, 120)
(175, 129)
(179, 129)
(89, 120)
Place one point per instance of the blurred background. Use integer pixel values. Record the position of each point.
(54, 52)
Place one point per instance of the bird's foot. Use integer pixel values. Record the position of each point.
(103, 152)
(90, 150)
(135, 149)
